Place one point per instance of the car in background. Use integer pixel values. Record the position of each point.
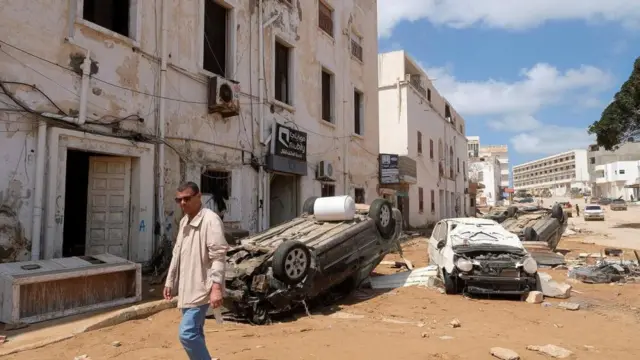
(538, 225)
(479, 256)
(618, 204)
(567, 207)
(593, 212)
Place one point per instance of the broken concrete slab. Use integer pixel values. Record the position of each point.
(551, 288)
(569, 306)
(504, 354)
(416, 277)
(535, 297)
(551, 350)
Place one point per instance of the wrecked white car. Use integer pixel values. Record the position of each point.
(332, 245)
(479, 256)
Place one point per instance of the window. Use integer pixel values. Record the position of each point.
(480, 176)
(215, 42)
(458, 160)
(433, 201)
(358, 113)
(420, 200)
(621, 172)
(356, 46)
(431, 149)
(218, 185)
(429, 95)
(325, 18)
(282, 91)
(592, 160)
(327, 96)
(419, 143)
(327, 190)
(113, 15)
(447, 112)
(359, 195)
(464, 170)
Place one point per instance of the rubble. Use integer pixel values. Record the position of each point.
(551, 350)
(554, 289)
(606, 271)
(569, 306)
(535, 297)
(504, 354)
(455, 323)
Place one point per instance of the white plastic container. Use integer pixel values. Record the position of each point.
(334, 208)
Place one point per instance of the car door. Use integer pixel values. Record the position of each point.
(433, 244)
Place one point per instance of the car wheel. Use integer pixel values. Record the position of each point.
(557, 213)
(530, 234)
(511, 211)
(307, 207)
(291, 262)
(381, 212)
(450, 283)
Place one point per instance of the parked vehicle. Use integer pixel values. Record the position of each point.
(480, 256)
(618, 204)
(568, 209)
(604, 201)
(501, 215)
(537, 225)
(332, 245)
(593, 212)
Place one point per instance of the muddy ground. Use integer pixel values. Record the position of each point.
(403, 323)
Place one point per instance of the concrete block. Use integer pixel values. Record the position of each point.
(554, 289)
(504, 354)
(535, 297)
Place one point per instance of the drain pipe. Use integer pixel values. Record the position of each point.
(36, 229)
(261, 202)
(161, 117)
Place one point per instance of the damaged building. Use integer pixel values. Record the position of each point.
(106, 107)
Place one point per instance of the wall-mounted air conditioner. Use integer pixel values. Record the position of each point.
(223, 97)
(324, 171)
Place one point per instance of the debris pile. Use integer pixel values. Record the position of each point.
(604, 269)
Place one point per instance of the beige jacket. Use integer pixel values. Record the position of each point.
(198, 259)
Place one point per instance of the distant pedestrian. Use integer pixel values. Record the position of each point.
(197, 269)
(577, 210)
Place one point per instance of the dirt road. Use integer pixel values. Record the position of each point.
(404, 323)
(619, 229)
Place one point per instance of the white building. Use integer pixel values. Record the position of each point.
(417, 122)
(183, 90)
(501, 152)
(558, 173)
(486, 172)
(618, 179)
(473, 146)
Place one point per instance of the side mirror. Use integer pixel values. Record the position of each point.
(441, 244)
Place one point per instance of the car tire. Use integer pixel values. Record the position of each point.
(307, 207)
(557, 213)
(450, 283)
(291, 262)
(512, 211)
(530, 234)
(382, 213)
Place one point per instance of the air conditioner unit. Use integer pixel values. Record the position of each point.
(223, 97)
(324, 171)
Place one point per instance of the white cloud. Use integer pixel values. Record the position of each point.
(515, 123)
(505, 14)
(551, 139)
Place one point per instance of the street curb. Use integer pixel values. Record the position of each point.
(115, 318)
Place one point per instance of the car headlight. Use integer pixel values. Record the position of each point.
(530, 266)
(464, 265)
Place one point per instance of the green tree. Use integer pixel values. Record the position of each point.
(622, 116)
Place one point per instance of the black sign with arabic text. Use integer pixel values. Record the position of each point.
(290, 143)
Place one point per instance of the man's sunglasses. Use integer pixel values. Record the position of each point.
(186, 199)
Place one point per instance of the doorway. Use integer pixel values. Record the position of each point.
(284, 193)
(405, 208)
(96, 204)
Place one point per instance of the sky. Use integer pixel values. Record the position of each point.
(529, 74)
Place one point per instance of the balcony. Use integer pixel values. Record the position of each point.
(416, 81)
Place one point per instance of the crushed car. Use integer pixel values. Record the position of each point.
(479, 256)
(538, 227)
(333, 245)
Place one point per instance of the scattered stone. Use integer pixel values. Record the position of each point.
(455, 323)
(551, 288)
(504, 354)
(259, 346)
(589, 348)
(551, 350)
(559, 326)
(425, 335)
(446, 337)
(346, 315)
(569, 306)
(82, 357)
(546, 304)
(535, 297)
(116, 344)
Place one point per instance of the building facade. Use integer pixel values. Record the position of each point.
(620, 179)
(473, 146)
(262, 103)
(501, 152)
(597, 156)
(416, 121)
(559, 174)
(486, 173)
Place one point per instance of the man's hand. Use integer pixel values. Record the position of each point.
(166, 293)
(215, 298)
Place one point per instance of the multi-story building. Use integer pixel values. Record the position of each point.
(108, 108)
(559, 174)
(486, 173)
(417, 122)
(618, 179)
(501, 152)
(473, 146)
(597, 156)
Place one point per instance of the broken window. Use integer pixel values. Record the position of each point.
(282, 91)
(327, 190)
(420, 200)
(356, 46)
(433, 201)
(447, 112)
(359, 195)
(429, 95)
(215, 38)
(358, 110)
(327, 96)
(325, 18)
(110, 14)
(419, 143)
(217, 184)
(431, 148)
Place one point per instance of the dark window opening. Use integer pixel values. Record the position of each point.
(447, 112)
(359, 195)
(592, 160)
(327, 190)
(358, 119)
(327, 95)
(282, 92)
(325, 18)
(215, 38)
(433, 201)
(420, 200)
(217, 184)
(419, 142)
(428, 94)
(110, 14)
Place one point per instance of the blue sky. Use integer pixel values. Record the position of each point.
(532, 75)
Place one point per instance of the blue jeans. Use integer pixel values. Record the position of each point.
(192, 332)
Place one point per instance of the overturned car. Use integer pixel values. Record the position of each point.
(538, 227)
(479, 256)
(331, 245)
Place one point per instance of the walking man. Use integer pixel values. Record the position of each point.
(577, 210)
(197, 268)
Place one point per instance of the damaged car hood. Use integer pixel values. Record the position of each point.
(465, 235)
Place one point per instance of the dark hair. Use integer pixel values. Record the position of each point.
(189, 185)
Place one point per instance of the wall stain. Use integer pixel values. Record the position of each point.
(128, 72)
(13, 244)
